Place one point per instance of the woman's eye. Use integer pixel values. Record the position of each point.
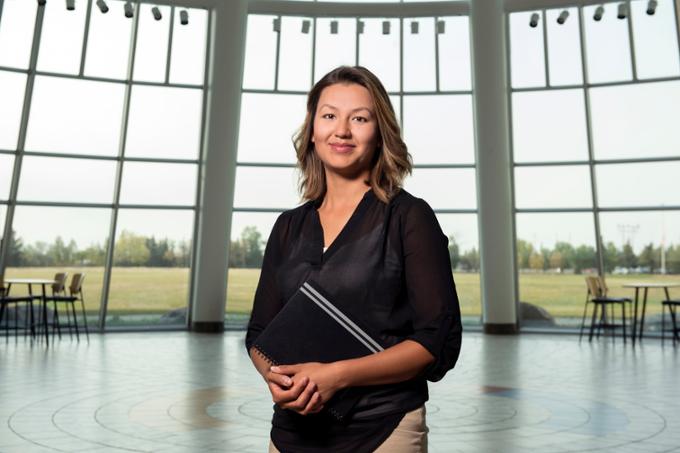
(361, 119)
(328, 116)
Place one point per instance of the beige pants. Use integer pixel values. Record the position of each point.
(410, 436)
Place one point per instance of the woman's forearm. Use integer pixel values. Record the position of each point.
(261, 365)
(398, 363)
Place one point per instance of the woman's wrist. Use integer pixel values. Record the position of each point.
(343, 374)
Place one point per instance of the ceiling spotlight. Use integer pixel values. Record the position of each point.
(623, 11)
(305, 26)
(276, 24)
(533, 21)
(103, 7)
(360, 26)
(599, 11)
(386, 27)
(156, 13)
(129, 10)
(441, 27)
(184, 17)
(651, 7)
(70, 5)
(563, 17)
(414, 27)
(334, 27)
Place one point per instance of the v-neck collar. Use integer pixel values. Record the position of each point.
(358, 212)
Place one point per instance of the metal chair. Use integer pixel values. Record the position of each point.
(75, 294)
(597, 295)
(672, 306)
(6, 300)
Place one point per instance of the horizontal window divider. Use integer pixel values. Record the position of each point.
(11, 69)
(597, 85)
(551, 163)
(391, 93)
(266, 164)
(158, 207)
(59, 204)
(159, 160)
(112, 80)
(637, 160)
(639, 208)
(599, 209)
(7, 151)
(550, 210)
(361, 10)
(4, 202)
(454, 211)
(442, 166)
(280, 210)
(109, 158)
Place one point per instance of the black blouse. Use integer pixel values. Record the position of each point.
(390, 268)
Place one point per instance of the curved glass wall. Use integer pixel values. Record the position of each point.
(101, 122)
(595, 149)
(424, 63)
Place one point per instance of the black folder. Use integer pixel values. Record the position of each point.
(311, 328)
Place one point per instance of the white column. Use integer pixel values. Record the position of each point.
(219, 165)
(494, 182)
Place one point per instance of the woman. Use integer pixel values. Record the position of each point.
(381, 253)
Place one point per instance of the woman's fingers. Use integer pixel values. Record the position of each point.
(282, 395)
(314, 405)
(301, 402)
(281, 379)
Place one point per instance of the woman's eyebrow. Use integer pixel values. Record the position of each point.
(351, 111)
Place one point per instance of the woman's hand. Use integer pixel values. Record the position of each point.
(324, 377)
(295, 393)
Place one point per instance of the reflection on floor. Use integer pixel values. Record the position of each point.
(180, 392)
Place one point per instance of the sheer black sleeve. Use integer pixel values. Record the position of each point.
(430, 288)
(267, 302)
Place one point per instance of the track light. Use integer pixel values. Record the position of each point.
(599, 11)
(386, 27)
(184, 17)
(334, 27)
(651, 7)
(156, 13)
(441, 27)
(360, 27)
(70, 5)
(414, 27)
(305, 26)
(533, 21)
(103, 7)
(129, 10)
(563, 17)
(623, 11)
(276, 24)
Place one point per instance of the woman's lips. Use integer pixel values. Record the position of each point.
(341, 148)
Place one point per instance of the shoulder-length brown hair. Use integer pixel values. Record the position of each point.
(391, 161)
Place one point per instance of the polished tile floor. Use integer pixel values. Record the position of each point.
(181, 392)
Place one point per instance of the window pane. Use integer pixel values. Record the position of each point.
(607, 45)
(6, 170)
(553, 187)
(527, 59)
(444, 188)
(454, 54)
(295, 57)
(260, 59)
(396, 105)
(656, 41)
(187, 63)
(439, 129)
(55, 240)
(75, 116)
(64, 180)
(333, 50)
(276, 145)
(266, 188)
(12, 88)
(164, 122)
(419, 66)
(380, 52)
(108, 45)
(61, 40)
(152, 44)
(3, 212)
(649, 184)
(162, 184)
(549, 126)
(635, 121)
(564, 48)
(16, 33)
(150, 277)
(249, 231)
(461, 229)
(553, 251)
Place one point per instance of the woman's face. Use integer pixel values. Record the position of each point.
(345, 129)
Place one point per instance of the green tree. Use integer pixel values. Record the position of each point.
(536, 261)
(251, 241)
(610, 256)
(556, 260)
(567, 252)
(470, 260)
(131, 250)
(650, 257)
(584, 258)
(673, 259)
(627, 257)
(15, 253)
(454, 252)
(524, 251)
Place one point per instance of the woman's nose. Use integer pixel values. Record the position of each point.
(342, 129)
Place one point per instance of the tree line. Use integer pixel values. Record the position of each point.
(247, 251)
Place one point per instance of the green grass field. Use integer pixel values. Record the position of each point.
(158, 290)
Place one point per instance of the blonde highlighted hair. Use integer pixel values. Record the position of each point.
(391, 160)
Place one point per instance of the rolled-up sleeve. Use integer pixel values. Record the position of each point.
(430, 289)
